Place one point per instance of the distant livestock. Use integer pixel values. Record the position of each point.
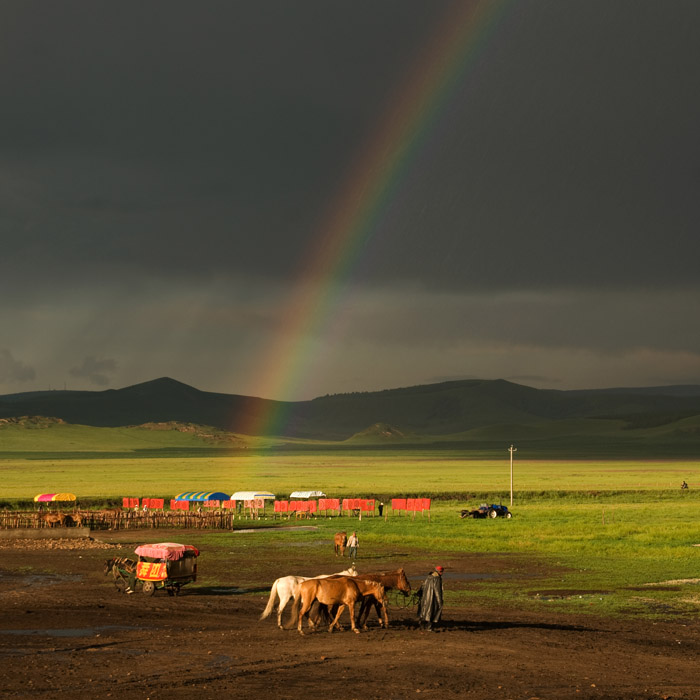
(340, 542)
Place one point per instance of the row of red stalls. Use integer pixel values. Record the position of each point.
(255, 501)
(299, 502)
(200, 500)
(350, 505)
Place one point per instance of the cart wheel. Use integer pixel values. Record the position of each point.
(149, 588)
(509, 515)
(493, 514)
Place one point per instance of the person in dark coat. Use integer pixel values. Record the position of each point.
(430, 594)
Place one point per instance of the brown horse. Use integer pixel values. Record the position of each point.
(342, 591)
(373, 593)
(340, 541)
(391, 580)
(53, 519)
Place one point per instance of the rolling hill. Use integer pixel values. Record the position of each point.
(464, 410)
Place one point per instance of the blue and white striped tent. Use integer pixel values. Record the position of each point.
(202, 496)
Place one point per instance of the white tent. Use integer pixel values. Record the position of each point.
(307, 494)
(251, 495)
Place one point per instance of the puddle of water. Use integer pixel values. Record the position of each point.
(38, 579)
(316, 543)
(648, 589)
(474, 576)
(564, 594)
(67, 632)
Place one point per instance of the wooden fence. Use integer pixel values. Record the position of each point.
(123, 519)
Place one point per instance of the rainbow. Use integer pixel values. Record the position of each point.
(371, 184)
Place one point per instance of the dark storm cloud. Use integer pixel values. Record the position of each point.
(13, 370)
(165, 166)
(597, 321)
(136, 128)
(568, 158)
(175, 139)
(96, 371)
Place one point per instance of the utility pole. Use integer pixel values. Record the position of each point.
(511, 449)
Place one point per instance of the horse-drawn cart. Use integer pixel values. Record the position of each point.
(166, 565)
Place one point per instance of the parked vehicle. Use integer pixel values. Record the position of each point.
(487, 511)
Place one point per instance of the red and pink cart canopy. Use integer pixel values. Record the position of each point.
(171, 551)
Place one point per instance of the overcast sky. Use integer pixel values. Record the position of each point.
(166, 168)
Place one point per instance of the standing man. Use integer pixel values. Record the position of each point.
(430, 595)
(353, 543)
(381, 508)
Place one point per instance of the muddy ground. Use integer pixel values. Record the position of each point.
(66, 633)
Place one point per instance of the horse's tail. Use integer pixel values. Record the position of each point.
(296, 609)
(271, 602)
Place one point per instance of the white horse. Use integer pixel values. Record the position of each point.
(287, 588)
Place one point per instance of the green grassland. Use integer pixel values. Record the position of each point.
(435, 473)
(603, 535)
(385, 474)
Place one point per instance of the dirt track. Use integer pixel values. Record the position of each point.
(68, 634)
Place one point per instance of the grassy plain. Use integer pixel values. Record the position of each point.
(603, 535)
(437, 473)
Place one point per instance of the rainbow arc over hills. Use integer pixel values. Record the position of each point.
(371, 184)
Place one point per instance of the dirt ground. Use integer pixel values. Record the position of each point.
(70, 634)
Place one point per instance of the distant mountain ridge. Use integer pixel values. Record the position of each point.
(433, 409)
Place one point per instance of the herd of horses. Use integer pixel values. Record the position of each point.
(58, 519)
(325, 597)
(75, 518)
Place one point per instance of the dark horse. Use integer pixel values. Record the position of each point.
(391, 580)
(123, 572)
